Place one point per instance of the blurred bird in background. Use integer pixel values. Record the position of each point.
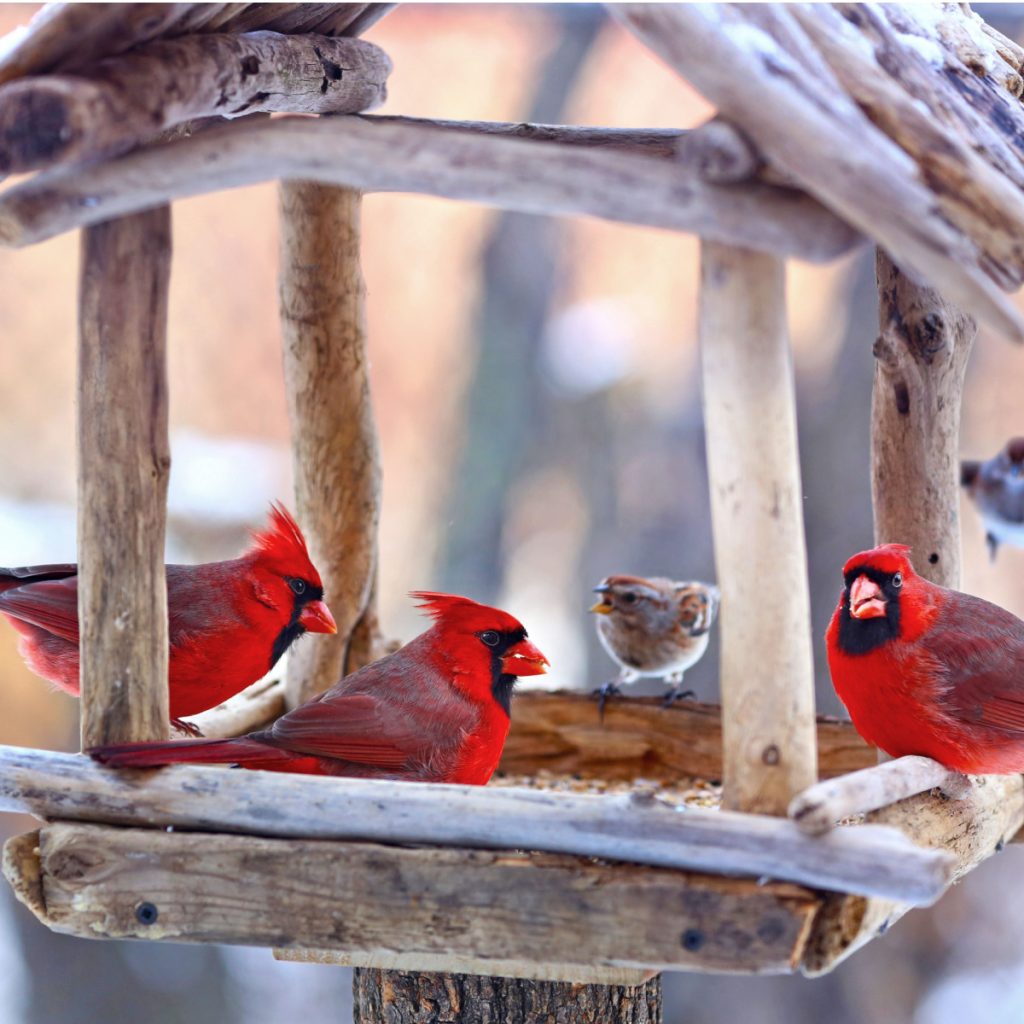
(997, 489)
(653, 627)
(437, 710)
(229, 622)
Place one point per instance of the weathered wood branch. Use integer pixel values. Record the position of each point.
(631, 827)
(767, 674)
(920, 360)
(123, 467)
(334, 437)
(807, 125)
(971, 827)
(562, 733)
(126, 101)
(821, 806)
(967, 187)
(301, 894)
(370, 155)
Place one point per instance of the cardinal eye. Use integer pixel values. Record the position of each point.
(490, 638)
(897, 580)
(629, 598)
(298, 586)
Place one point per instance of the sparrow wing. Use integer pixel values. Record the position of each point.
(51, 604)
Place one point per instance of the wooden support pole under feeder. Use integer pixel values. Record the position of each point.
(757, 518)
(123, 468)
(334, 437)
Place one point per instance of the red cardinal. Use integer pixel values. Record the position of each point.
(926, 670)
(229, 621)
(435, 711)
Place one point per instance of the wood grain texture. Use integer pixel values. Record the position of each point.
(334, 438)
(807, 125)
(767, 673)
(576, 974)
(123, 467)
(500, 905)
(635, 827)
(370, 155)
(921, 357)
(401, 998)
(971, 827)
(819, 808)
(128, 100)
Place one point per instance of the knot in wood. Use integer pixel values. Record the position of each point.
(771, 755)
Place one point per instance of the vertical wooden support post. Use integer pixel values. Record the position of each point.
(920, 359)
(123, 467)
(334, 439)
(767, 675)
(400, 997)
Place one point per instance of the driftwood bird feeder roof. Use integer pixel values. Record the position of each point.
(838, 126)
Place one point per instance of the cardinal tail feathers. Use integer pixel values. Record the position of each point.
(152, 755)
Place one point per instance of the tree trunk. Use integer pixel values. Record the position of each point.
(921, 356)
(398, 997)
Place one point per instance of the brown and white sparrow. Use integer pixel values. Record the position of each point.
(997, 489)
(653, 627)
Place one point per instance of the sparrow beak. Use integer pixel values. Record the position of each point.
(603, 606)
(866, 601)
(523, 659)
(316, 617)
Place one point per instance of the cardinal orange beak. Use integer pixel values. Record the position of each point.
(523, 659)
(316, 617)
(866, 601)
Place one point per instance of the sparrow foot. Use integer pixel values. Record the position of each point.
(186, 727)
(676, 694)
(601, 695)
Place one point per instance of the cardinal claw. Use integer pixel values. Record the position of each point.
(676, 694)
(601, 695)
(188, 728)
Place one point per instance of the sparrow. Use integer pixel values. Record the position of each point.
(437, 710)
(997, 489)
(927, 670)
(653, 627)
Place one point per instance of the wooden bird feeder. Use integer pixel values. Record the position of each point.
(848, 125)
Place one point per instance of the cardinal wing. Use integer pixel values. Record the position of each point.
(50, 604)
(980, 648)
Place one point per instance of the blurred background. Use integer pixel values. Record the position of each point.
(536, 389)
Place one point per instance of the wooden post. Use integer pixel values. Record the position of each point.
(123, 467)
(756, 510)
(920, 359)
(403, 998)
(334, 439)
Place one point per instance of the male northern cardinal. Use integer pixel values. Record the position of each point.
(926, 670)
(437, 710)
(654, 627)
(997, 489)
(229, 622)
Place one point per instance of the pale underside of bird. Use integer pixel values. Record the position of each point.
(653, 627)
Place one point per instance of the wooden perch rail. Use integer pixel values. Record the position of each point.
(632, 827)
(371, 155)
(126, 101)
(818, 808)
(500, 907)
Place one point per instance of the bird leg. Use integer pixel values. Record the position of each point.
(677, 692)
(612, 689)
(993, 546)
(186, 727)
